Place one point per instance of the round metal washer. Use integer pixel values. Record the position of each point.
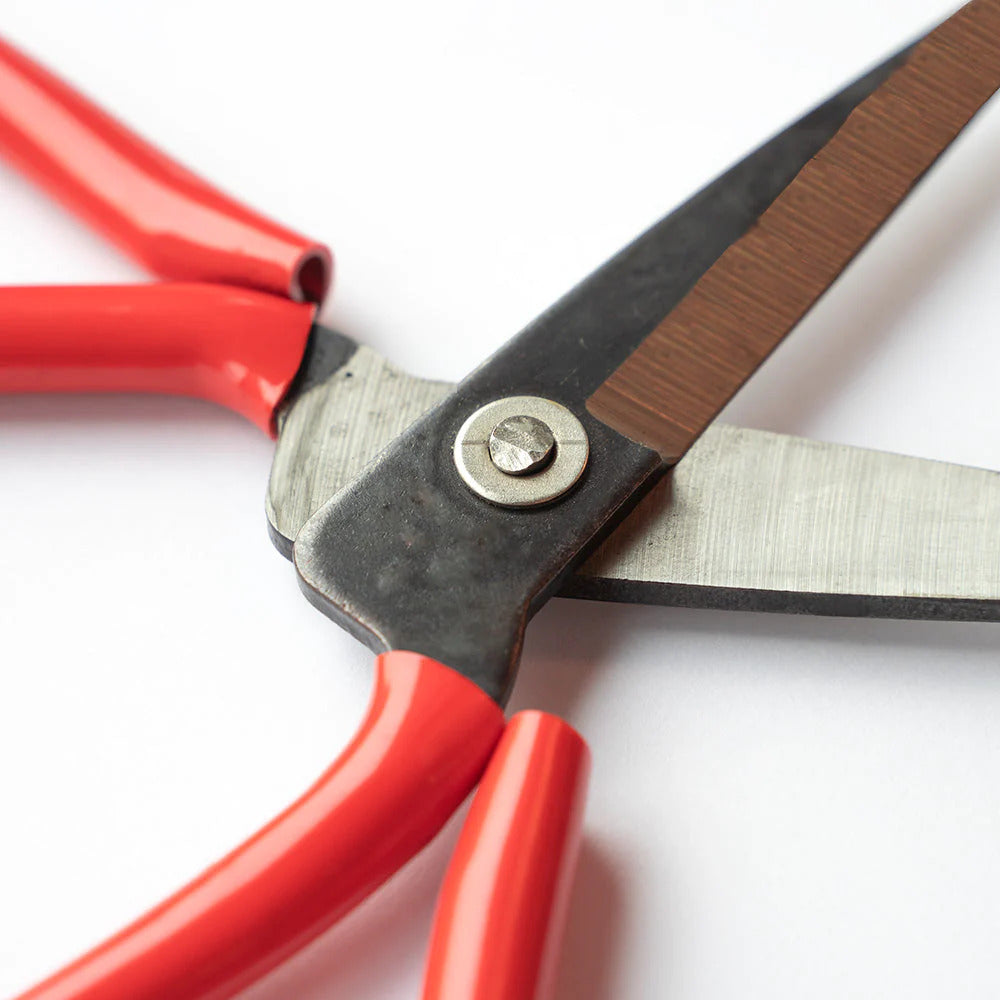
(472, 453)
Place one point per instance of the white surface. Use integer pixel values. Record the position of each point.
(781, 807)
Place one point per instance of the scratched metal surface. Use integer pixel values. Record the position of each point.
(749, 520)
(762, 521)
(333, 430)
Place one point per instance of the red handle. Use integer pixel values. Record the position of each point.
(423, 745)
(503, 904)
(153, 208)
(232, 345)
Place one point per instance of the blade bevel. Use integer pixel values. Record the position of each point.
(696, 358)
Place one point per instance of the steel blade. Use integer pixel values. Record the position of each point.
(699, 354)
(407, 556)
(350, 405)
(750, 520)
(756, 521)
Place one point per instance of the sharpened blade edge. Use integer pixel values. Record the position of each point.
(754, 520)
(679, 378)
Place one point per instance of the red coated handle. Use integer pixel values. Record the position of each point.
(234, 346)
(160, 213)
(426, 739)
(503, 904)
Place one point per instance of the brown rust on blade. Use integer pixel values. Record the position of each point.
(673, 385)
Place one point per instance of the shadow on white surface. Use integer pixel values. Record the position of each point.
(108, 413)
(878, 294)
(591, 953)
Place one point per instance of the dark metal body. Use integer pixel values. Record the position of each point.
(406, 557)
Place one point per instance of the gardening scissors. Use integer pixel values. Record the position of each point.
(435, 539)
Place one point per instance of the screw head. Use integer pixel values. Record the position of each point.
(521, 444)
(476, 455)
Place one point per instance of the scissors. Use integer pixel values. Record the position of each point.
(527, 485)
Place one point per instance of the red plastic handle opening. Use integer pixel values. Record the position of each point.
(160, 213)
(503, 904)
(424, 743)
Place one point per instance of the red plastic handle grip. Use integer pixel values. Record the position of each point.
(231, 345)
(503, 904)
(160, 213)
(426, 739)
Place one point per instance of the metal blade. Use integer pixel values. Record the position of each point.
(407, 556)
(755, 521)
(350, 405)
(750, 520)
(697, 356)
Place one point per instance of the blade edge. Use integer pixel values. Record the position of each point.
(675, 382)
(758, 521)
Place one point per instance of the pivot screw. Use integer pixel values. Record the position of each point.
(521, 444)
(521, 451)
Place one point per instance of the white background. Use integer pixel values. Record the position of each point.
(780, 807)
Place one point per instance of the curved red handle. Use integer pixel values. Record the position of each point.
(160, 213)
(423, 745)
(231, 345)
(503, 904)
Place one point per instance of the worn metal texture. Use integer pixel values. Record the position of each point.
(406, 557)
(750, 520)
(332, 427)
(521, 445)
(757, 521)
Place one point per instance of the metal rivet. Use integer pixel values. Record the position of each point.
(521, 445)
(543, 473)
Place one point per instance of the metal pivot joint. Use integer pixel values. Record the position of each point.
(521, 451)
(521, 445)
